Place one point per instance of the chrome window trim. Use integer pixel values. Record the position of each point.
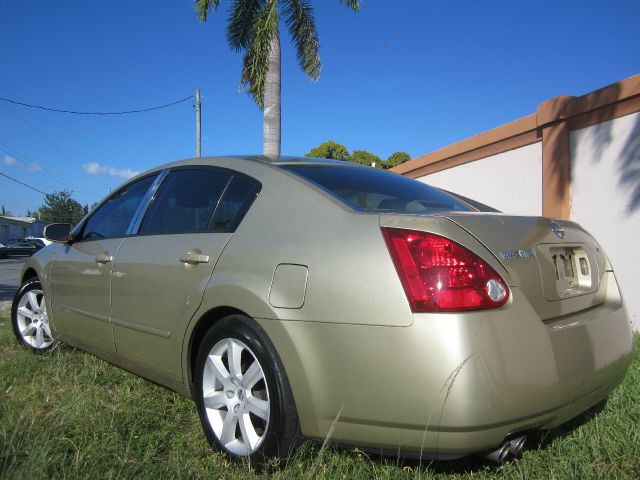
(134, 226)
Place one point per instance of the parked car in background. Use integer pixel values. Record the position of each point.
(304, 296)
(19, 248)
(39, 241)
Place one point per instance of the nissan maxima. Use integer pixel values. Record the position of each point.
(296, 296)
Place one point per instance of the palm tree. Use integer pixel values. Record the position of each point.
(254, 28)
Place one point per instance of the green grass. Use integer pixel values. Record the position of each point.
(70, 415)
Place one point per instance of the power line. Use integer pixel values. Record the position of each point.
(58, 110)
(38, 168)
(22, 183)
(50, 142)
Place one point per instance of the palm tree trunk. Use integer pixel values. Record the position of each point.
(271, 145)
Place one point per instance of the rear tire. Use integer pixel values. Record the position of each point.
(29, 317)
(243, 396)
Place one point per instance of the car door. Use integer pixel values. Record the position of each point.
(80, 275)
(160, 274)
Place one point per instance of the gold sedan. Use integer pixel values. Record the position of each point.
(294, 296)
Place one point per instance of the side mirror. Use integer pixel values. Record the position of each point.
(58, 232)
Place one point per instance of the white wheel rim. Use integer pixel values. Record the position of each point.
(32, 319)
(236, 397)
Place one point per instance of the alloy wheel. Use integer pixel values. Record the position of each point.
(32, 320)
(236, 397)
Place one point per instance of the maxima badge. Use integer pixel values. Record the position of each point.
(512, 254)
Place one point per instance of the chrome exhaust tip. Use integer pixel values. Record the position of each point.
(516, 445)
(508, 450)
(498, 455)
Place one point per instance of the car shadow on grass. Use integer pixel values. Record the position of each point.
(541, 439)
(536, 440)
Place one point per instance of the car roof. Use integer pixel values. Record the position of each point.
(261, 159)
(216, 161)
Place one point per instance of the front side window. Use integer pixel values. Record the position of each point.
(185, 202)
(112, 218)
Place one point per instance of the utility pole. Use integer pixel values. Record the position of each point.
(197, 122)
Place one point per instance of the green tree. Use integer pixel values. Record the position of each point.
(396, 159)
(366, 158)
(253, 28)
(5, 213)
(59, 207)
(330, 149)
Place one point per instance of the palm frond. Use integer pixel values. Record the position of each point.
(242, 20)
(352, 4)
(256, 60)
(202, 8)
(298, 16)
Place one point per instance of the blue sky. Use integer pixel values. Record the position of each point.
(414, 76)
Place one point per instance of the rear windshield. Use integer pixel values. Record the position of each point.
(371, 190)
(481, 207)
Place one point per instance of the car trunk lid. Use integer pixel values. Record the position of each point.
(557, 265)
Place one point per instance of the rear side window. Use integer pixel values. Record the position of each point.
(185, 202)
(235, 202)
(112, 218)
(370, 190)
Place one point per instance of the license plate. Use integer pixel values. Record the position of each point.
(572, 269)
(563, 261)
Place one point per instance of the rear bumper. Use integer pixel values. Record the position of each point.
(457, 383)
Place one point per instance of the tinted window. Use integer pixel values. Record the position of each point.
(185, 202)
(112, 219)
(373, 190)
(235, 202)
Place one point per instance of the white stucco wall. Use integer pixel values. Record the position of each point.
(605, 197)
(509, 181)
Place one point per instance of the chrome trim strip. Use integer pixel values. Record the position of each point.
(134, 226)
(141, 328)
(95, 316)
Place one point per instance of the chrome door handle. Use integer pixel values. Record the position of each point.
(194, 258)
(104, 258)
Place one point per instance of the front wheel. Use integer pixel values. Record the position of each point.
(244, 399)
(29, 317)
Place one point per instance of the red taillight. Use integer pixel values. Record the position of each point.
(440, 275)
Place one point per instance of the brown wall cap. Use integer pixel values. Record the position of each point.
(554, 109)
(564, 107)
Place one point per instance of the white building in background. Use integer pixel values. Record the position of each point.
(20, 227)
